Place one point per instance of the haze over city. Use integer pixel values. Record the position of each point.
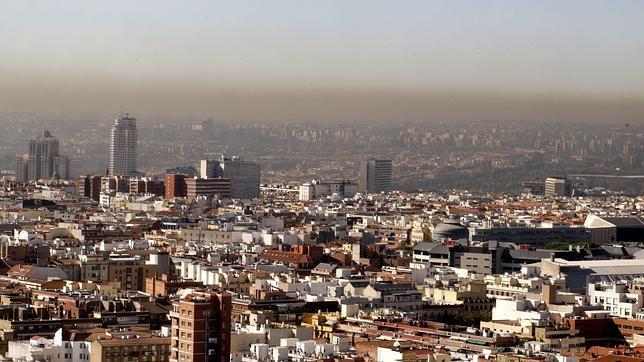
(327, 60)
(322, 181)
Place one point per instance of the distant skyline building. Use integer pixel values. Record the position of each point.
(43, 162)
(244, 175)
(376, 176)
(123, 146)
(557, 186)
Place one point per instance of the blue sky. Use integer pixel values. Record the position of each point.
(86, 55)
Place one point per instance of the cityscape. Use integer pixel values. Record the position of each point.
(322, 221)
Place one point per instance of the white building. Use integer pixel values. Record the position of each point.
(123, 146)
(316, 189)
(59, 349)
(616, 298)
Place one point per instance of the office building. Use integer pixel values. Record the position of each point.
(207, 187)
(244, 175)
(557, 186)
(376, 176)
(43, 162)
(201, 327)
(123, 146)
(534, 187)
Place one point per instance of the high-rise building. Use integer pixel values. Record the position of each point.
(22, 168)
(201, 327)
(244, 176)
(376, 176)
(123, 144)
(557, 186)
(43, 161)
(61, 167)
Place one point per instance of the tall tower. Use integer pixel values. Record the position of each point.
(41, 161)
(123, 140)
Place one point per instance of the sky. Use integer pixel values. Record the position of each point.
(574, 60)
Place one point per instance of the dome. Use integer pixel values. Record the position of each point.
(450, 229)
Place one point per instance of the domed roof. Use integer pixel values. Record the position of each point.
(450, 229)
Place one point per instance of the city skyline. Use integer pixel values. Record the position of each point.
(353, 181)
(332, 61)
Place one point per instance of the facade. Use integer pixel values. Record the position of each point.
(244, 176)
(534, 187)
(115, 183)
(130, 272)
(175, 186)
(201, 327)
(89, 186)
(618, 299)
(611, 229)
(207, 169)
(147, 186)
(130, 346)
(123, 146)
(482, 260)
(376, 176)
(61, 167)
(557, 186)
(22, 168)
(207, 187)
(533, 235)
(317, 189)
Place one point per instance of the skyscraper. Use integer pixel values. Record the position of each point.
(22, 168)
(376, 176)
(123, 140)
(43, 161)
